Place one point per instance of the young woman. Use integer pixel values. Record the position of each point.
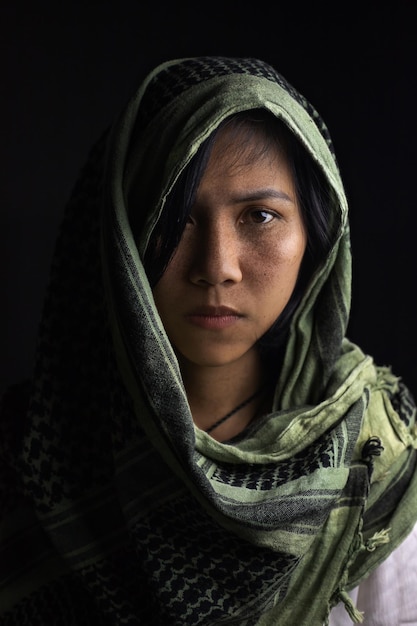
(202, 443)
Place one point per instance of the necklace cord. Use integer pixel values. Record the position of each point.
(235, 410)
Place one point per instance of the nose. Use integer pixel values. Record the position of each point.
(216, 258)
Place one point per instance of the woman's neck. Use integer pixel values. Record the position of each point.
(214, 392)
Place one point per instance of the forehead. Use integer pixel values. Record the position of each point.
(241, 171)
(247, 147)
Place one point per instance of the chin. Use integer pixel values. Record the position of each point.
(218, 357)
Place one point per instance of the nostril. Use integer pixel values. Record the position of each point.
(217, 269)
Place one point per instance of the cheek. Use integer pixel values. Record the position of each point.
(294, 248)
(280, 260)
(276, 278)
(166, 288)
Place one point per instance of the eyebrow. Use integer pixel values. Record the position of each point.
(261, 194)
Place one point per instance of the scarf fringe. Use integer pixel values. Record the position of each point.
(373, 447)
(378, 539)
(355, 615)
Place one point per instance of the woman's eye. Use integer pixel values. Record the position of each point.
(260, 216)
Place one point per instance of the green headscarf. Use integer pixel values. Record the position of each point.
(139, 516)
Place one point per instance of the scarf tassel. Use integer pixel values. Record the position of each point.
(372, 448)
(378, 539)
(355, 615)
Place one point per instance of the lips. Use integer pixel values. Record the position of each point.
(215, 311)
(214, 317)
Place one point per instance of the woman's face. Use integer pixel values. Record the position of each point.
(238, 259)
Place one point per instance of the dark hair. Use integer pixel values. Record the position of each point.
(312, 193)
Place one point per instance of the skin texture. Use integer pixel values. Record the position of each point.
(231, 276)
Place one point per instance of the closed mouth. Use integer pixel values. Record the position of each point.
(214, 311)
(213, 317)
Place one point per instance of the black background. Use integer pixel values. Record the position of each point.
(68, 67)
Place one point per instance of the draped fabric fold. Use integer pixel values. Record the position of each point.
(116, 508)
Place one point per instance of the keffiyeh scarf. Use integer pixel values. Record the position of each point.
(115, 508)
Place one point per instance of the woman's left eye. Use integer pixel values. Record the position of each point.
(261, 216)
